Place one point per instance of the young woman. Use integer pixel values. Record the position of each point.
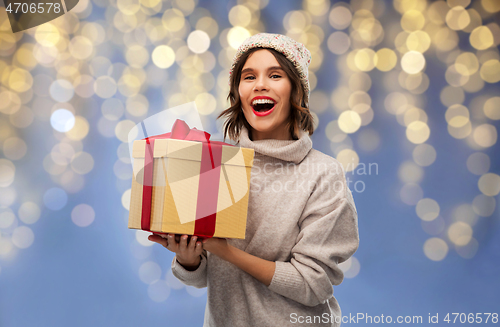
(302, 220)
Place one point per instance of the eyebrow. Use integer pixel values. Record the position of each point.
(270, 68)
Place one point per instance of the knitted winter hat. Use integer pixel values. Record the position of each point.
(294, 51)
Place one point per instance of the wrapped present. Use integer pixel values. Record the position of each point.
(183, 183)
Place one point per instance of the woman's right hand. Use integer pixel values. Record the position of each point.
(187, 254)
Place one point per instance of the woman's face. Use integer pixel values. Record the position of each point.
(265, 96)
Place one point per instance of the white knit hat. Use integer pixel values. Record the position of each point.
(294, 51)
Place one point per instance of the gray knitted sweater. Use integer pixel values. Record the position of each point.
(301, 215)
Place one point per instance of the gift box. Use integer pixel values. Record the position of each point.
(183, 183)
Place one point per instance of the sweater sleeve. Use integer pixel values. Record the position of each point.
(196, 278)
(328, 236)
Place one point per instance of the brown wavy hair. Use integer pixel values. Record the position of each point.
(300, 117)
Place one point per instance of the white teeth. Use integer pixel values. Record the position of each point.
(262, 101)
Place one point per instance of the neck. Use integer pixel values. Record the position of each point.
(257, 136)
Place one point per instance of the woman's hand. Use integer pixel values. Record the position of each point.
(187, 254)
(215, 245)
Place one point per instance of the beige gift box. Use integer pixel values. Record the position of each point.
(178, 199)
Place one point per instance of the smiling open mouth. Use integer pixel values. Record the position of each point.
(263, 107)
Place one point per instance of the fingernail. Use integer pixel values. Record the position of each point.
(195, 238)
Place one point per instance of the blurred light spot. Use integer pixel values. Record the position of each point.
(128, 7)
(29, 212)
(427, 209)
(489, 184)
(451, 95)
(467, 63)
(433, 227)
(368, 140)
(350, 267)
(454, 75)
(418, 41)
(340, 17)
(349, 121)
(62, 120)
(462, 131)
(80, 47)
(7, 172)
(100, 66)
(142, 237)
(468, 251)
(364, 59)
(84, 86)
(410, 173)
(126, 199)
(338, 43)
(424, 155)
(457, 18)
(206, 103)
(149, 272)
(394, 102)
(349, 159)
(198, 41)
(7, 218)
(105, 87)
(123, 128)
(163, 56)
(5, 247)
(137, 105)
(137, 56)
(385, 59)
(417, 132)
(10, 102)
(413, 62)
(360, 81)
(236, 36)
(240, 15)
(14, 148)
(23, 237)
(82, 163)
(20, 80)
(47, 35)
(490, 71)
(333, 132)
(83, 215)
(172, 281)
(485, 135)
(80, 130)
(112, 109)
(492, 108)
(478, 163)
(465, 213)
(435, 249)
(159, 291)
(61, 90)
(484, 205)
(445, 39)
(412, 20)
(196, 292)
(173, 20)
(460, 233)
(55, 198)
(457, 115)
(411, 193)
(481, 38)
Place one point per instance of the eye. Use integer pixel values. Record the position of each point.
(248, 77)
(278, 76)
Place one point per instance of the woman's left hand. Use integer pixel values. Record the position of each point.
(215, 245)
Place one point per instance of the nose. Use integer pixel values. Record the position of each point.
(261, 84)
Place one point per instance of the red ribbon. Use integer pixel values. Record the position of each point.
(208, 190)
